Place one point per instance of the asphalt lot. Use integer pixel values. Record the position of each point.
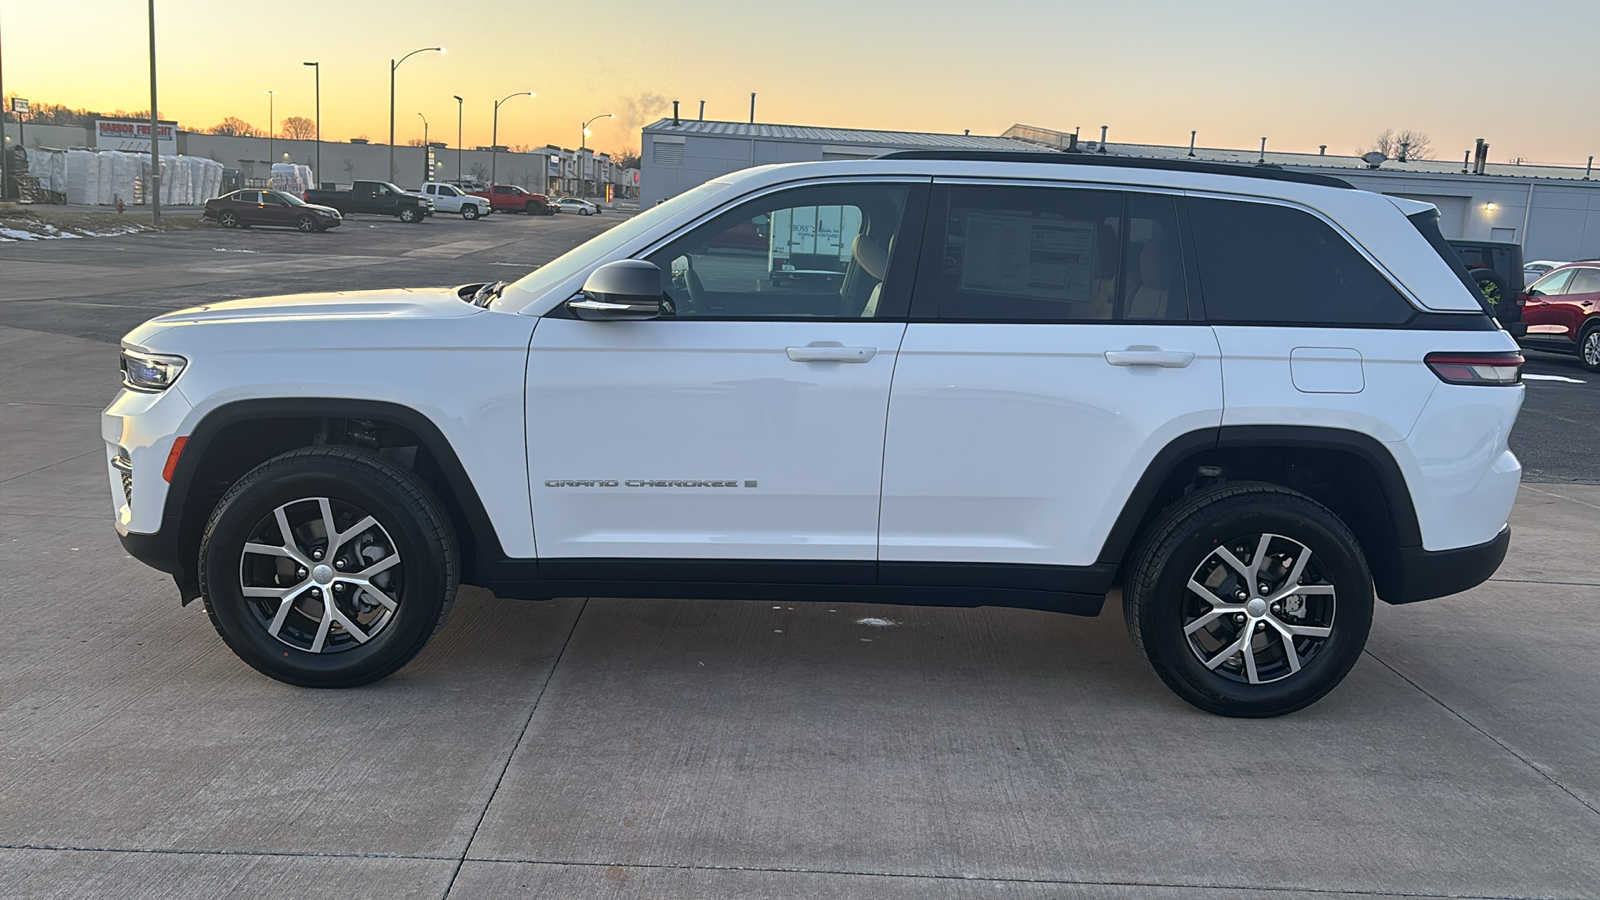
(595, 747)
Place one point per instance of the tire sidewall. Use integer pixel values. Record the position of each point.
(426, 582)
(408, 214)
(1339, 559)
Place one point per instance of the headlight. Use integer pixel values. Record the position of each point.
(150, 371)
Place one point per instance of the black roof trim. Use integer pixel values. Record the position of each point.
(1268, 172)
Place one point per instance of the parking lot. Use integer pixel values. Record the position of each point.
(596, 747)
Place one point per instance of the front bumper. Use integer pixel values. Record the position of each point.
(1426, 574)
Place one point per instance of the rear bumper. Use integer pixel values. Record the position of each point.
(1426, 574)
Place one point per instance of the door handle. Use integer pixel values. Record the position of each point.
(832, 354)
(1150, 356)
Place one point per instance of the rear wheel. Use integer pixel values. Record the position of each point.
(1249, 599)
(228, 219)
(305, 224)
(1589, 348)
(328, 567)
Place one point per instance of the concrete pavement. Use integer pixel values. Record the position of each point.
(619, 748)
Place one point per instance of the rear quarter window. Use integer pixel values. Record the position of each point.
(1262, 264)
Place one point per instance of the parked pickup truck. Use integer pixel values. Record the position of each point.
(511, 198)
(447, 198)
(375, 197)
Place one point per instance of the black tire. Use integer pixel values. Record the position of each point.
(469, 212)
(1589, 347)
(527, 209)
(305, 224)
(1494, 289)
(408, 214)
(408, 523)
(1183, 545)
(584, 210)
(228, 219)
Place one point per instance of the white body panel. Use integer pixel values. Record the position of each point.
(691, 400)
(1448, 439)
(456, 364)
(1020, 443)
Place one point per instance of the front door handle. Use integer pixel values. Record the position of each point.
(1150, 356)
(832, 354)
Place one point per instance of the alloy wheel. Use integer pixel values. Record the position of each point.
(1591, 348)
(321, 575)
(1258, 609)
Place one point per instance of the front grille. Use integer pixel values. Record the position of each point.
(124, 467)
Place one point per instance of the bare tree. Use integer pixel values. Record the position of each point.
(233, 126)
(349, 169)
(299, 128)
(480, 173)
(1389, 142)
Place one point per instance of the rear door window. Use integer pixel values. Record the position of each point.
(1051, 254)
(1263, 264)
(1585, 281)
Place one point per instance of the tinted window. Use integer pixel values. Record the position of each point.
(249, 197)
(1552, 284)
(500, 189)
(272, 199)
(817, 252)
(1030, 254)
(1271, 265)
(1585, 281)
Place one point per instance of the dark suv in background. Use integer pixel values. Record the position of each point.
(1496, 267)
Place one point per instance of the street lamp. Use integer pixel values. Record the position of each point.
(494, 140)
(395, 64)
(318, 68)
(583, 144)
(271, 116)
(425, 150)
(460, 175)
(155, 129)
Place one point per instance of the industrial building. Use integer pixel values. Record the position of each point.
(1553, 211)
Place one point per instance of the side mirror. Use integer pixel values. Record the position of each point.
(620, 290)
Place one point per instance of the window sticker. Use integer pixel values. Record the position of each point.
(1017, 254)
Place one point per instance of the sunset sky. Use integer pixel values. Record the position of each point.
(1301, 72)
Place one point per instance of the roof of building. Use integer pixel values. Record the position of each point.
(1045, 138)
(839, 136)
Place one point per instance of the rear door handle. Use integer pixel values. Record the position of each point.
(832, 354)
(1166, 359)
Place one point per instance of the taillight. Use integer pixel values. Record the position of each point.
(1476, 368)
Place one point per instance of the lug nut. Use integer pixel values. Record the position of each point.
(300, 572)
(1238, 618)
(338, 564)
(1277, 609)
(317, 593)
(1264, 588)
(1261, 626)
(1241, 595)
(338, 588)
(316, 554)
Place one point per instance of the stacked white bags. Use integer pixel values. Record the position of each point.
(100, 178)
(291, 178)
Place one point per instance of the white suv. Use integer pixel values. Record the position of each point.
(1256, 399)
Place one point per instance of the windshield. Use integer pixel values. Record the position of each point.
(289, 198)
(605, 243)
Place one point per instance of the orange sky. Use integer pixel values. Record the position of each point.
(1302, 73)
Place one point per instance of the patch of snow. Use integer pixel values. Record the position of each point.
(12, 234)
(877, 623)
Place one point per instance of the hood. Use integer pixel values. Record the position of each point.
(326, 210)
(403, 303)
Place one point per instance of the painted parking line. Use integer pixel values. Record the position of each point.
(1529, 376)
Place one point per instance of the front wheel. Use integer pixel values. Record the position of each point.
(469, 212)
(328, 567)
(305, 224)
(408, 214)
(1249, 599)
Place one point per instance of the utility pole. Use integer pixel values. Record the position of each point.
(583, 144)
(155, 133)
(494, 140)
(460, 175)
(5, 152)
(395, 64)
(272, 118)
(318, 67)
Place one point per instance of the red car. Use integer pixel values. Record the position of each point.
(241, 209)
(511, 198)
(1562, 312)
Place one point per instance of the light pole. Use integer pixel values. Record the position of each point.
(583, 144)
(155, 148)
(425, 150)
(318, 67)
(271, 118)
(460, 175)
(395, 64)
(494, 140)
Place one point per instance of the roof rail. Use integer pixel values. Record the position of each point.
(1268, 172)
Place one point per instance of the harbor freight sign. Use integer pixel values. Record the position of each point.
(130, 134)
